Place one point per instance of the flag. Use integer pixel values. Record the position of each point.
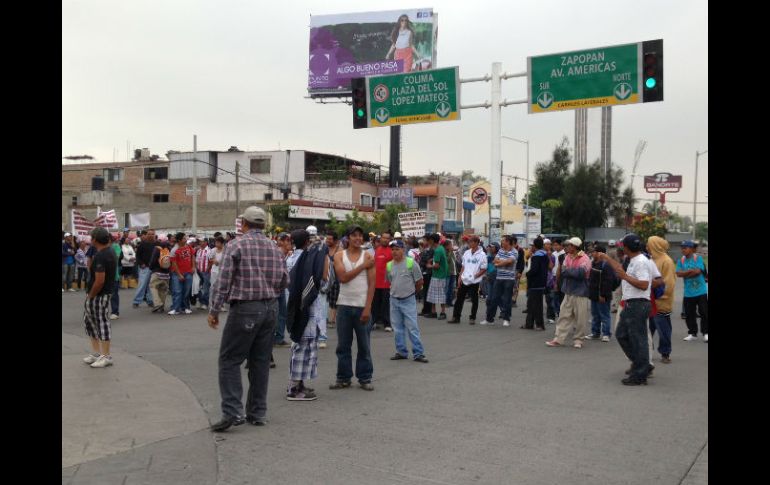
(139, 220)
(106, 219)
(80, 225)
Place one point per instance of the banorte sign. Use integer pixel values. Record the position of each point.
(662, 182)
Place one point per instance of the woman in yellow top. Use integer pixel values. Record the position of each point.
(403, 43)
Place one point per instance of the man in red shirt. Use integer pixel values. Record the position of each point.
(381, 303)
(181, 275)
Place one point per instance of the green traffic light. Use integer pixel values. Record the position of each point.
(650, 82)
(360, 113)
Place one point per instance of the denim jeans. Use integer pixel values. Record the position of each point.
(115, 299)
(143, 290)
(662, 324)
(247, 335)
(502, 293)
(632, 336)
(348, 322)
(600, 318)
(403, 317)
(322, 336)
(489, 283)
(550, 314)
(450, 289)
(83, 277)
(556, 299)
(203, 294)
(180, 291)
(280, 329)
(67, 271)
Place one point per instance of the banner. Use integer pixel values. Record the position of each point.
(139, 220)
(238, 227)
(412, 223)
(396, 195)
(106, 219)
(80, 225)
(364, 44)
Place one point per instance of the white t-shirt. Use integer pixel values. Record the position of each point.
(403, 39)
(639, 268)
(556, 263)
(472, 264)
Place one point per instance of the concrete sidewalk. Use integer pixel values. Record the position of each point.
(494, 405)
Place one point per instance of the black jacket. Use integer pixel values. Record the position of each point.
(306, 279)
(601, 282)
(537, 276)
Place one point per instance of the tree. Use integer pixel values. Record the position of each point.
(354, 218)
(582, 205)
(549, 183)
(551, 205)
(280, 217)
(387, 220)
(646, 225)
(702, 231)
(651, 208)
(623, 211)
(468, 175)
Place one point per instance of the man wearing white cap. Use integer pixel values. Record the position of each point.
(575, 309)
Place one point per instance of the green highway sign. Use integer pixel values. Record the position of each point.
(589, 78)
(414, 97)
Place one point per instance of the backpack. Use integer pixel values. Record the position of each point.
(695, 259)
(409, 265)
(164, 259)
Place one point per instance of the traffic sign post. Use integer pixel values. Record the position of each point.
(592, 78)
(415, 97)
(479, 195)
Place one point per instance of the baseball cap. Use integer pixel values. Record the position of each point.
(396, 243)
(312, 230)
(546, 241)
(612, 243)
(353, 229)
(574, 241)
(397, 235)
(688, 244)
(632, 242)
(66, 234)
(253, 214)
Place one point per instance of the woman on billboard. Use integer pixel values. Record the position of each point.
(403, 43)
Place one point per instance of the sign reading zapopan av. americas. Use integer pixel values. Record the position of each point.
(587, 78)
(415, 97)
(662, 182)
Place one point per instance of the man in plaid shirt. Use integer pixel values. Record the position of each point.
(252, 277)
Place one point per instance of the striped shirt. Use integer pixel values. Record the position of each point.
(202, 260)
(507, 272)
(252, 269)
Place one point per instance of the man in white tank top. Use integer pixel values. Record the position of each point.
(355, 271)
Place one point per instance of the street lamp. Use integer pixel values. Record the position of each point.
(695, 197)
(526, 212)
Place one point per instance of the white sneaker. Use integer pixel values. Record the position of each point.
(321, 345)
(388, 329)
(605, 338)
(173, 312)
(102, 361)
(187, 311)
(114, 317)
(72, 289)
(551, 320)
(484, 322)
(506, 323)
(62, 290)
(91, 358)
(690, 338)
(706, 337)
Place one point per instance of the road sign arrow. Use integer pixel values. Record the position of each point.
(443, 109)
(382, 115)
(622, 91)
(545, 100)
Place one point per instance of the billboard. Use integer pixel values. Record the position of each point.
(662, 182)
(364, 44)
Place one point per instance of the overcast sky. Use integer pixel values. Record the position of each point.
(235, 73)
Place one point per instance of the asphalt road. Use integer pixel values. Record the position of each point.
(494, 405)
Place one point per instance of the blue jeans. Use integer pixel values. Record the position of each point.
(502, 293)
(348, 322)
(115, 299)
(247, 336)
(143, 290)
(403, 316)
(450, 289)
(601, 321)
(203, 294)
(662, 323)
(632, 336)
(489, 283)
(180, 292)
(556, 298)
(67, 272)
(280, 329)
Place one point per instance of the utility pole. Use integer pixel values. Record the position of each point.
(195, 186)
(237, 190)
(695, 196)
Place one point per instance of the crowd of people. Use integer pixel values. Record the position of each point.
(303, 284)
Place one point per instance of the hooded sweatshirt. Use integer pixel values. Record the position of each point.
(575, 274)
(537, 276)
(658, 248)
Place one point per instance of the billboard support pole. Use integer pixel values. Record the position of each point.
(395, 155)
(494, 164)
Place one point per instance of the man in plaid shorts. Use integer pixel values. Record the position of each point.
(438, 281)
(100, 285)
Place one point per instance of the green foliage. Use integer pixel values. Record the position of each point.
(388, 218)
(354, 218)
(702, 231)
(280, 216)
(646, 225)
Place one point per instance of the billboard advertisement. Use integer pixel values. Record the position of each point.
(364, 44)
(662, 182)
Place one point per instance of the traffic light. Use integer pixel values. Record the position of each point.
(652, 71)
(360, 114)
